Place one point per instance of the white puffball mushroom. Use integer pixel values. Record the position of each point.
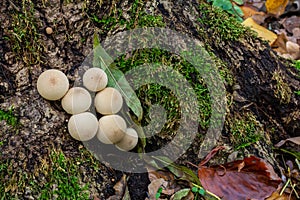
(83, 126)
(52, 84)
(108, 101)
(111, 129)
(49, 30)
(94, 79)
(129, 141)
(77, 100)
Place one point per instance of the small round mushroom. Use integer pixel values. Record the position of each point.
(94, 79)
(52, 84)
(49, 30)
(111, 129)
(83, 126)
(108, 101)
(129, 141)
(77, 100)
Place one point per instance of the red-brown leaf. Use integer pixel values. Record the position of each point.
(251, 178)
(211, 154)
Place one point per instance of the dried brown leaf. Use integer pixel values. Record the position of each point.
(277, 196)
(295, 140)
(162, 178)
(279, 44)
(156, 174)
(248, 11)
(121, 191)
(255, 179)
(290, 23)
(154, 186)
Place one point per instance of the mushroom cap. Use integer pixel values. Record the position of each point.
(83, 126)
(111, 129)
(77, 100)
(52, 84)
(108, 101)
(129, 141)
(94, 79)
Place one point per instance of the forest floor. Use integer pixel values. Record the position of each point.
(40, 160)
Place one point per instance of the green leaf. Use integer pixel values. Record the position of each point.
(158, 193)
(224, 4)
(195, 189)
(238, 11)
(116, 78)
(181, 193)
(179, 171)
(239, 2)
(201, 191)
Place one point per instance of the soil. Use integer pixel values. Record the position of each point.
(43, 124)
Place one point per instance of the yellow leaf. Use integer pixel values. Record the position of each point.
(276, 7)
(261, 31)
(277, 196)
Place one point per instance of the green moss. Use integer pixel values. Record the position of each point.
(297, 65)
(138, 19)
(219, 24)
(64, 178)
(222, 67)
(24, 36)
(57, 177)
(157, 94)
(282, 91)
(9, 117)
(245, 131)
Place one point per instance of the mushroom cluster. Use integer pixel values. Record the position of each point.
(111, 128)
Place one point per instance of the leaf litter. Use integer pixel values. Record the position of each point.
(276, 21)
(240, 179)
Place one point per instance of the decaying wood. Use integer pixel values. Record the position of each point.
(264, 84)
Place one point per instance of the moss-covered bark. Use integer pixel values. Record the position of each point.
(262, 106)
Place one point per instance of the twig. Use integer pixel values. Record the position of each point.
(284, 187)
(208, 192)
(13, 5)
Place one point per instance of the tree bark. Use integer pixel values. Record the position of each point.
(263, 83)
(254, 65)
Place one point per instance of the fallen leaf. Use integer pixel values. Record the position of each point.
(248, 11)
(295, 140)
(279, 45)
(293, 49)
(165, 178)
(256, 179)
(277, 196)
(276, 7)
(154, 186)
(259, 17)
(290, 23)
(156, 174)
(180, 194)
(179, 171)
(241, 166)
(261, 31)
(121, 190)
